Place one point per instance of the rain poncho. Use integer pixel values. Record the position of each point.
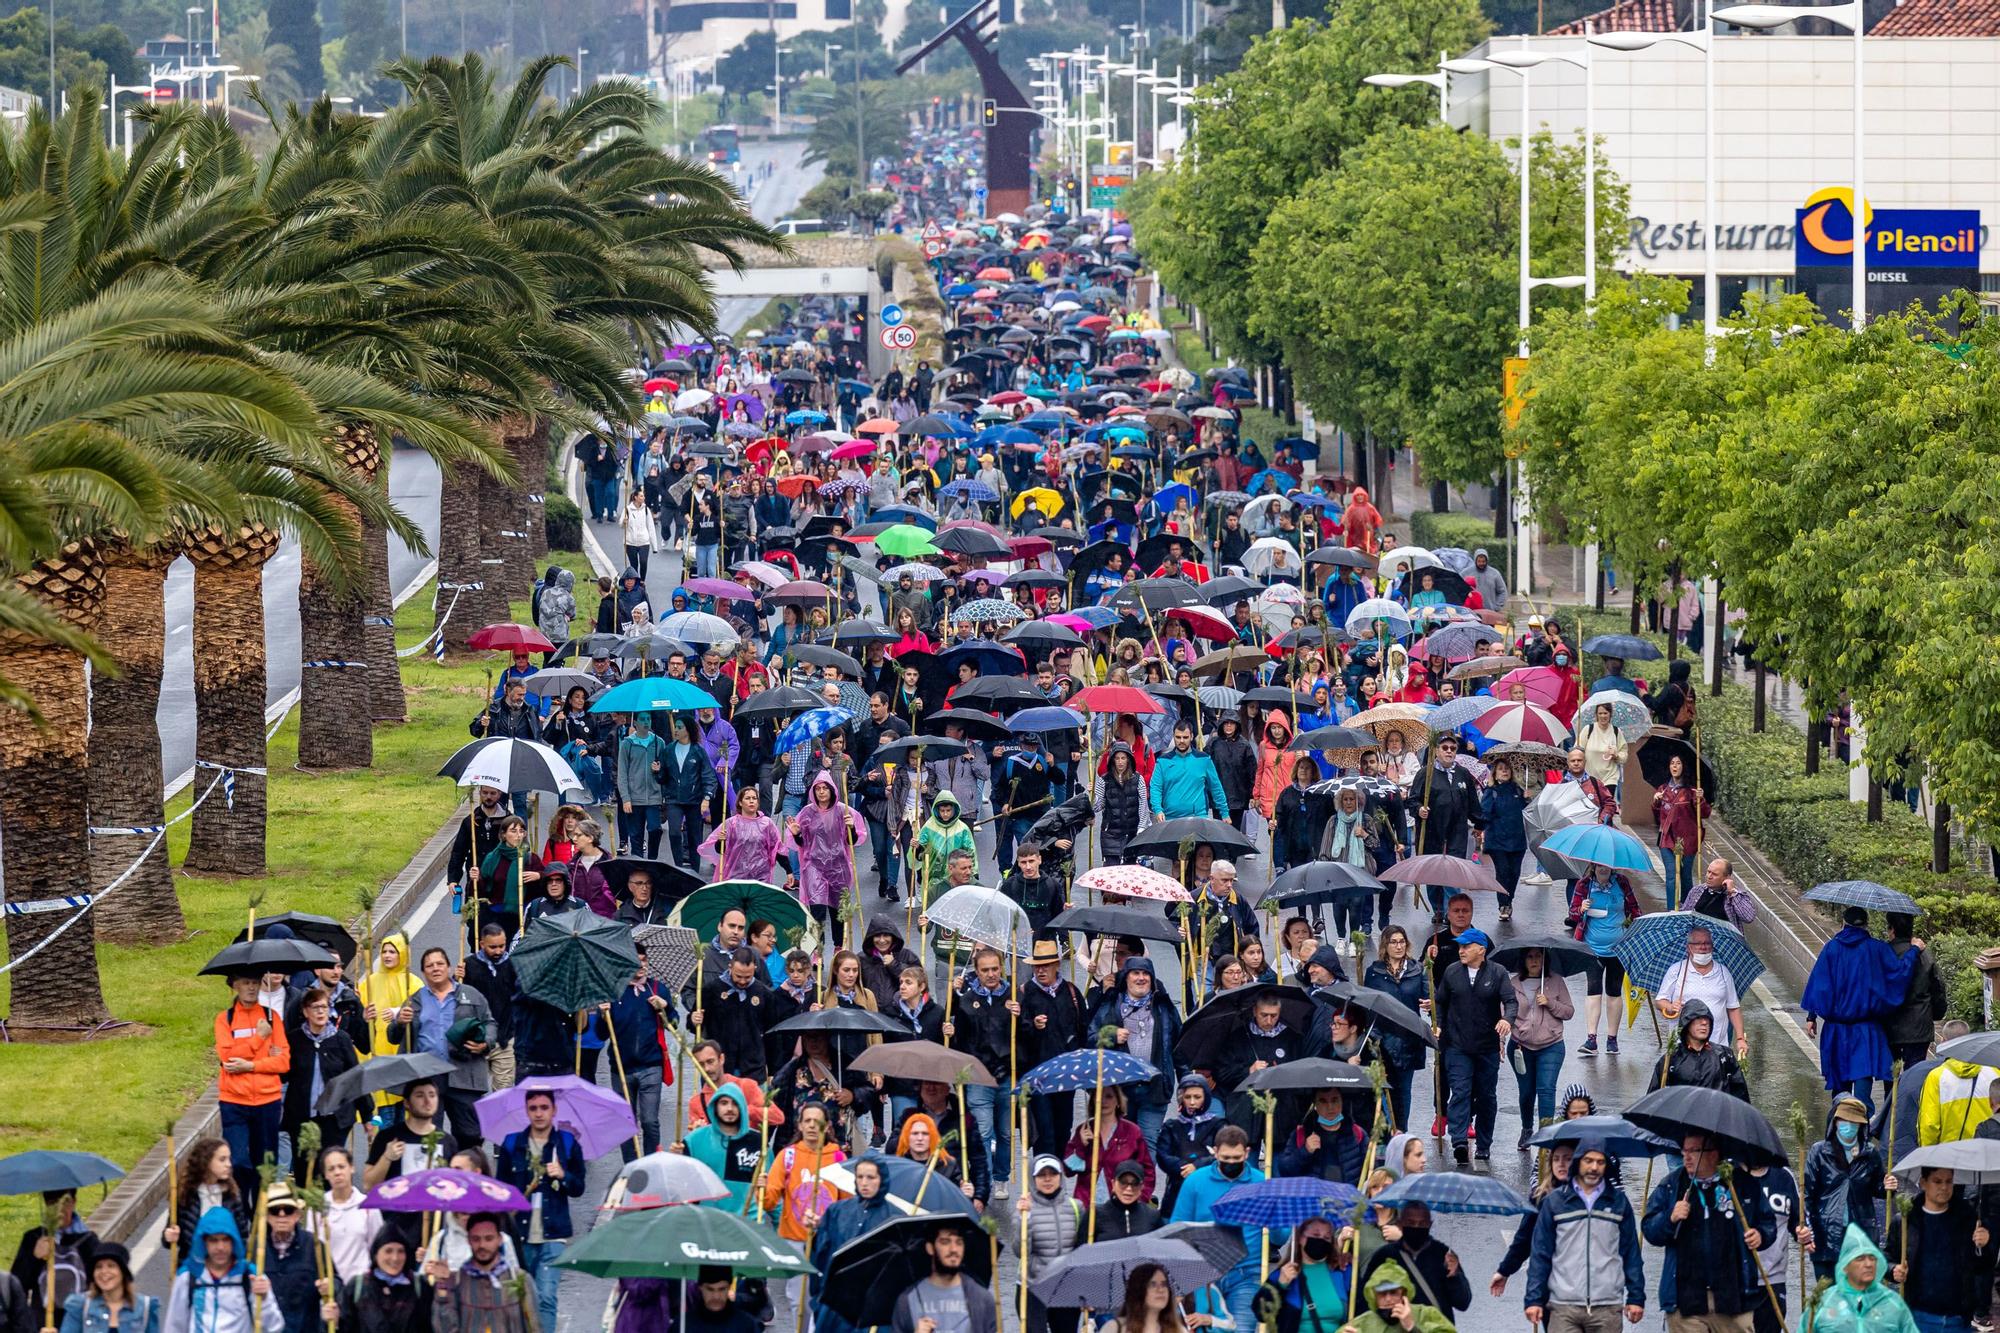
(1428, 1318)
(387, 990)
(825, 843)
(937, 840)
(1870, 1309)
(748, 847)
(1857, 981)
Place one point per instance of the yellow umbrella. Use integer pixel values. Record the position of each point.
(1045, 499)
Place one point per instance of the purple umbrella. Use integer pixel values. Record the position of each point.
(752, 405)
(598, 1117)
(996, 577)
(445, 1190)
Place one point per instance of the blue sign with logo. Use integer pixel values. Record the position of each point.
(892, 315)
(1897, 238)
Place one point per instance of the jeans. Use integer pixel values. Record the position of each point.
(1399, 1095)
(1507, 869)
(602, 492)
(704, 560)
(991, 1110)
(643, 1092)
(1864, 1088)
(1007, 832)
(1051, 1117)
(885, 851)
(684, 833)
(538, 1261)
(1940, 1323)
(639, 829)
(635, 558)
(251, 1133)
(1538, 1085)
(1239, 1285)
(1473, 1081)
(1147, 1114)
(1679, 876)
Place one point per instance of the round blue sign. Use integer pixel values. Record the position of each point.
(892, 315)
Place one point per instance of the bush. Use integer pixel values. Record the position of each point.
(1806, 824)
(1956, 957)
(564, 523)
(1468, 532)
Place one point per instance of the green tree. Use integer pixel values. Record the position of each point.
(747, 67)
(873, 119)
(294, 26)
(252, 48)
(84, 56)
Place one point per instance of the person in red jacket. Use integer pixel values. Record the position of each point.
(251, 1048)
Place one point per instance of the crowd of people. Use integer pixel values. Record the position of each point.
(1046, 619)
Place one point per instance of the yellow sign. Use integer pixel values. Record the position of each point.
(1510, 389)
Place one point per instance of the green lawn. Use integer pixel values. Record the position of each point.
(331, 837)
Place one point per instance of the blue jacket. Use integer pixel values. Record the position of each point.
(1166, 1029)
(1342, 597)
(689, 782)
(1399, 1051)
(1187, 785)
(1203, 1187)
(514, 1167)
(1586, 1254)
(1857, 981)
(1342, 1152)
(1501, 808)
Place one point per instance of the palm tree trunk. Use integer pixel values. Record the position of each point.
(516, 518)
(462, 560)
(335, 730)
(229, 688)
(534, 464)
(44, 808)
(124, 753)
(386, 702)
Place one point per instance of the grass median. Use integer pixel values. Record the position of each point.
(331, 836)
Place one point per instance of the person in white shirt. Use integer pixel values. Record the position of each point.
(1700, 977)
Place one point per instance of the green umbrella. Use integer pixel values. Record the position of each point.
(904, 540)
(574, 960)
(702, 910)
(679, 1241)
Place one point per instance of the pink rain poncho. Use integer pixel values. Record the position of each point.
(822, 840)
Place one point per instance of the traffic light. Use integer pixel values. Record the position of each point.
(989, 113)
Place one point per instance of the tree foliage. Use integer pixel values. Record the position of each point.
(293, 32)
(83, 55)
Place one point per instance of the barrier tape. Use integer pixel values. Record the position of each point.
(379, 620)
(48, 905)
(335, 663)
(229, 777)
(136, 830)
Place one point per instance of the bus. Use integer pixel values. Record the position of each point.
(719, 142)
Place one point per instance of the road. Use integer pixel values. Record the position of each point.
(413, 485)
(771, 199)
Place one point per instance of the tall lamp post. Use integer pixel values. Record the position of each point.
(1525, 61)
(1852, 17)
(229, 78)
(113, 87)
(1440, 80)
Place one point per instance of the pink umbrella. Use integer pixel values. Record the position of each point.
(1134, 882)
(763, 571)
(855, 449)
(445, 1190)
(1455, 872)
(990, 575)
(1027, 548)
(986, 528)
(1077, 623)
(1521, 722)
(723, 588)
(815, 444)
(599, 1117)
(1542, 685)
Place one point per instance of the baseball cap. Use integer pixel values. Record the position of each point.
(1046, 1163)
(1129, 1168)
(1473, 935)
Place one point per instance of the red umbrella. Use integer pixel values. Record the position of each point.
(660, 384)
(760, 450)
(1117, 699)
(1542, 685)
(1127, 359)
(1006, 396)
(802, 593)
(1205, 622)
(994, 274)
(854, 449)
(876, 426)
(505, 635)
(794, 486)
(1093, 322)
(1521, 722)
(1027, 548)
(983, 526)
(1127, 411)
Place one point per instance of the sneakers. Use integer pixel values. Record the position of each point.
(1527, 1132)
(1589, 1047)
(1611, 1045)
(999, 1194)
(1460, 1153)
(1506, 913)
(1483, 1155)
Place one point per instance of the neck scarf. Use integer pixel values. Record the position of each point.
(1268, 1033)
(1129, 1005)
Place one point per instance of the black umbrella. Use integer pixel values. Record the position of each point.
(324, 931)
(1738, 1128)
(998, 691)
(1095, 556)
(1042, 635)
(1560, 955)
(1156, 595)
(930, 424)
(1063, 539)
(1277, 697)
(383, 1073)
(778, 701)
(1230, 589)
(671, 883)
(1980, 1048)
(1655, 751)
(253, 958)
(1212, 1030)
(910, 749)
(858, 633)
(1307, 1076)
(1164, 839)
(1449, 582)
(1625, 647)
(822, 656)
(1115, 921)
(841, 1018)
(972, 542)
(594, 645)
(1344, 556)
(1304, 636)
(1317, 882)
(1036, 578)
(1382, 1009)
(977, 723)
(867, 1276)
(1333, 738)
(1154, 550)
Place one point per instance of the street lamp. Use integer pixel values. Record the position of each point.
(1440, 80)
(192, 12)
(111, 106)
(229, 78)
(826, 60)
(1525, 61)
(1851, 17)
(581, 52)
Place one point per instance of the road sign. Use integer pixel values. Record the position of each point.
(892, 315)
(932, 231)
(899, 339)
(934, 248)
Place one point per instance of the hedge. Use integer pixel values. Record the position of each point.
(1468, 532)
(563, 522)
(1812, 833)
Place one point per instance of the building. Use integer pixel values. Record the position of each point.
(700, 32)
(1784, 127)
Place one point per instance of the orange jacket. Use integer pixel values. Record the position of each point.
(236, 1039)
(793, 1189)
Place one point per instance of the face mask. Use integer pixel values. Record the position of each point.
(1701, 959)
(1318, 1248)
(1231, 1170)
(1562, 659)
(1331, 1122)
(1847, 1132)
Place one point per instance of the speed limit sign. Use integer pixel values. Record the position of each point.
(902, 337)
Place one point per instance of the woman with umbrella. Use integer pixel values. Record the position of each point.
(748, 840)
(1542, 998)
(823, 835)
(1120, 797)
(1150, 1306)
(1603, 907)
(1505, 836)
(1310, 1281)
(1119, 1140)
(1604, 749)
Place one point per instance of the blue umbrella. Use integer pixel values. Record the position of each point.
(959, 290)
(1165, 497)
(1625, 647)
(44, 1170)
(1658, 940)
(1299, 445)
(1621, 1138)
(651, 695)
(903, 514)
(810, 727)
(1454, 1192)
(1600, 845)
(905, 1179)
(805, 416)
(857, 386)
(1863, 893)
(741, 430)
(1285, 1202)
(1238, 391)
(976, 491)
(1046, 719)
(1098, 617)
(1073, 1071)
(1041, 421)
(1009, 434)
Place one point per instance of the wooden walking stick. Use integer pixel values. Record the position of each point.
(1770, 1292)
(1105, 1036)
(1802, 1130)
(1267, 1103)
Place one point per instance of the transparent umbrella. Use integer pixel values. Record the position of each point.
(983, 916)
(1557, 806)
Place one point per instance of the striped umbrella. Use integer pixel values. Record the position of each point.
(1521, 722)
(1285, 1202)
(1864, 893)
(1658, 940)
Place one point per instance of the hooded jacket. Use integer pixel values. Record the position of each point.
(1708, 1268)
(880, 975)
(555, 607)
(637, 781)
(1585, 1253)
(1875, 1308)
(1235, 760)
(1428, 1318)
(1166, 1028)
(368, 1304)
(1713, 1066)
(937, 840)
(1842, 1187)
(1274, 761)
(1857, 981)
(1954, 1103)
(204, 1303)
(731, 1154)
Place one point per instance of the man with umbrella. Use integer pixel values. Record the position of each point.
(255, 1056)
(1585, 1267)
(1711, 1276)
(1185, 783)
(1447, 810)
(1476, 1008)
(947, 1301)
(546, 1164)
(1700, 977)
